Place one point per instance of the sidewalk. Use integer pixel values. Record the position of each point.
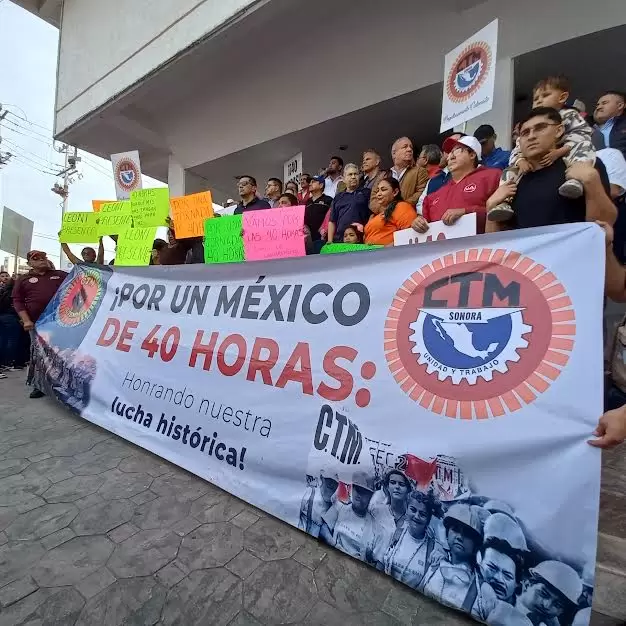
(94, 530)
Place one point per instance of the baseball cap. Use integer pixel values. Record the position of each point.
(468, 141)
(484, 132)
(320, 179)
(33, 253)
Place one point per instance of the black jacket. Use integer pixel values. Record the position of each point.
(6, 302)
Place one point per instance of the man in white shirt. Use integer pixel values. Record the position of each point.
(334, 174)
(316, 501)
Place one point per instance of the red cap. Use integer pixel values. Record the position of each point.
(32, 253)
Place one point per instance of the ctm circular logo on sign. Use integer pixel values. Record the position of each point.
(80, 297)
(479, 333)
(127, 174)
(468, 72)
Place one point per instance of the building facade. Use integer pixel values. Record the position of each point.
(208, 90)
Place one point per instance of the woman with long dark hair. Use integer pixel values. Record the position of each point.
(391, 213)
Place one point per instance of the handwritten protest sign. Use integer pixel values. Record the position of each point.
(79, 227)
(223, 242)
(97, 204)
(190, 212)
(335, 248)
(114, 223)
(134, 246)
(122, 206)
(150, 207)
(465, 227)
(274, 233)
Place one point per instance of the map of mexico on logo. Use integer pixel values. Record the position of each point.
(479, 333)
(468, 71)
(127, 174)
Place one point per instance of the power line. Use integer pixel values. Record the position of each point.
(20, 159)
(47, 143)
(17, 146)
(35, 132)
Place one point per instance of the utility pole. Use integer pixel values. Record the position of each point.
(69, 169)
(5, 157)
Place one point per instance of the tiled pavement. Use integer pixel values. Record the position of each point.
(94, 530)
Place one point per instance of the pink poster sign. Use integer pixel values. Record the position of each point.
(274, 233)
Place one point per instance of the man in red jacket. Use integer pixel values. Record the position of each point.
(31, 295)
(467, 191)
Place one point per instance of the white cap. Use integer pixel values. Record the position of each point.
(468, 141)
(562, 577)
(501, 526)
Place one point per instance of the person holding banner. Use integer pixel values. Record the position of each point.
(392, 213)
(31, 295)
(467, 191)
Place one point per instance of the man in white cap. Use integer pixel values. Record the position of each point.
(467, 191)
(351, 527)
(316, 501)
(449, 581)
(500, 561)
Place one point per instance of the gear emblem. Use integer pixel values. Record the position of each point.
(479, 333)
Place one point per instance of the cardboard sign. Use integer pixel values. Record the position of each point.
(190, 212)
(223, 242)
(337, 248)
(274, 233)
(121, 207)
(469, 78)
(134, 246)
(150, 207)
(97, 204)
(16, 233)
(79, 227)
(464, 227)
(114, 223)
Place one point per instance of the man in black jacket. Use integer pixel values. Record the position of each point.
(610, 118)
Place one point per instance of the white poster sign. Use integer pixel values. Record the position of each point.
(464, 227)
(293, 168)
(16, 233)
(469, 78)
(428, 415)
(127, 173)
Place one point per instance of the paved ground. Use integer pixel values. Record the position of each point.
(94, 530)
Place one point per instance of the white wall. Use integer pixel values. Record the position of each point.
(106, 46)
(364, 56)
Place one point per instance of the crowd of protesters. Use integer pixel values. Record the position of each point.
(564, 167)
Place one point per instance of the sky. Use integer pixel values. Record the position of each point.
(27, 90)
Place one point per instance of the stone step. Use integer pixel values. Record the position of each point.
(609, 596)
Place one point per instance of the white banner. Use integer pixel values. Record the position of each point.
(464, 227)
(428, 415)
(127, 173)
(292, 169)
(469, 78)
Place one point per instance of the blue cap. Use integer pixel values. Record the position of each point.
(320, 179)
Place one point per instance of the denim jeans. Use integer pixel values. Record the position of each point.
(10, 331)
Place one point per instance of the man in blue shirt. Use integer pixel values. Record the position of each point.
(492, 156)
(610, 119)
(349, 206)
